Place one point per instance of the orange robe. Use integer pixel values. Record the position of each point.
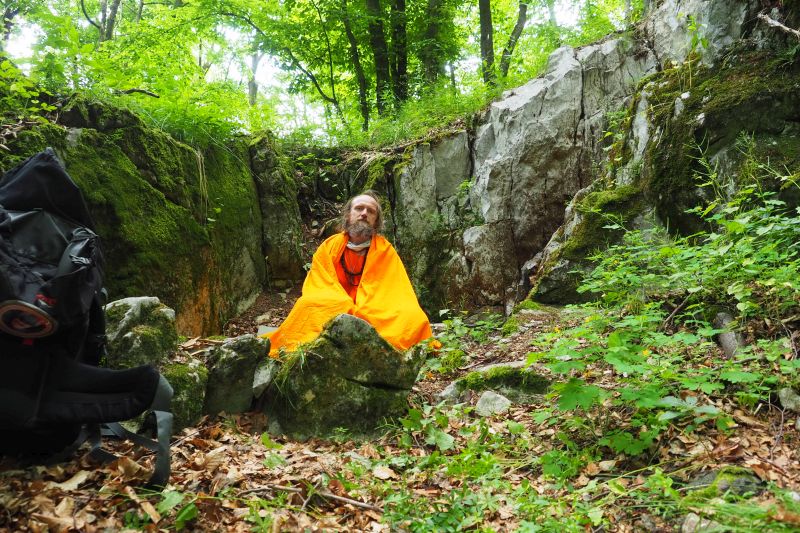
(384, 298)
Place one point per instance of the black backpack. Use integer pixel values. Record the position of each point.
(53, 395)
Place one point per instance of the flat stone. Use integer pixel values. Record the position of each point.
(490, 403)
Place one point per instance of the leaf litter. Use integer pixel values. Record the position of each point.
(225, 475)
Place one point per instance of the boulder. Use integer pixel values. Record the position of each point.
(514, 380)
(232, 367)
(140, 331)
(350, 377)
(189, 381)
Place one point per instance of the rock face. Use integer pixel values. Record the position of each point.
(232, 366)
(277, 193)
(348, 378)
(178, 223)
(139, 331)
(534, 150)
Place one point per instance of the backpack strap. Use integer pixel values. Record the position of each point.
(163, 430)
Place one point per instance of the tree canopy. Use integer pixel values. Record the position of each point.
(335, 71)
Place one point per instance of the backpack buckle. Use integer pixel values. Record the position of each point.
(22, 319)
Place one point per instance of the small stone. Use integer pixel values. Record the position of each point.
(263, 319)
(490, 403)
(453, 393)
(695, 524)
(789, 399)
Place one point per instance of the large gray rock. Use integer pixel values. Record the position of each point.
(139, 331)
(350, 378)
(280, 213)
(679, 27)
(232, 366)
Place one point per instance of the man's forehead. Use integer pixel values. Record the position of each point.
(364, 199)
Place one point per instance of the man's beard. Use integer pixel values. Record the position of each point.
(359, 229)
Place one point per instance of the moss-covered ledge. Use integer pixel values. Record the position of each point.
(178, 223)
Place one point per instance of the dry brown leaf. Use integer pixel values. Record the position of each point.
(72, 483)
(56, 522)
(607, 466)
(592, 469)
(787, 517)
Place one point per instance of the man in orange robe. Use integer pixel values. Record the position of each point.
(357, 272)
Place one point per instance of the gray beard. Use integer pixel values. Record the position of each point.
(360, 230)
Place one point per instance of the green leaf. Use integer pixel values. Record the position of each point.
(186, 514)
(442, 440)
(269, 443)
(738, 376)
(577, 393)
(515, 428)
(169, 500)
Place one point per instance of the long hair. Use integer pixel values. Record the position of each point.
(346, 210)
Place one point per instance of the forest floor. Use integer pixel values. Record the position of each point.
(439, 469)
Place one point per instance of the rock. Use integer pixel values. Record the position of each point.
(729, 341)
(790, 399)
(189, 381)
(727, 480)
(453, 393)
(139, 330)
(265, 373)
(513, 380)
(277, 193)
(490, 403)
(232, 368)
(719, 24)
(695, 524)
(349, 377)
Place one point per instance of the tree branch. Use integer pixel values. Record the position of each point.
(775, 24)
(93, 23)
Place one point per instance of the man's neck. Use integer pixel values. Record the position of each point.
(359, 239)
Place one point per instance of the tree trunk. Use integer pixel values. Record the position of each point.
(109, 22)
(431, 55)
(355, 58)
(505, 58)
(8, 25)
(487, 42)
(252, 84)
(399, 59)
(380, 52)
(551, 10)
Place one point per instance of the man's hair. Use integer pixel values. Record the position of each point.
(378, 219)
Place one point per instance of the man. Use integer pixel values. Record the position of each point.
(357, 272)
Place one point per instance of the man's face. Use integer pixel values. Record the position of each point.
(363, 216)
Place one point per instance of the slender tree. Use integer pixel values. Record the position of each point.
(380, 53)
(487, 42)
(431, 53)
(505, 58)
(399, 51)
(355, 59)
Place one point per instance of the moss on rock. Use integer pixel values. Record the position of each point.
(188, 382)
(700, 112)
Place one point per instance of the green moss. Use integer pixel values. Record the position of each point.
(29, 142)
(529, 305)
(730, 481)
(505, 377)
(511, 325)
(451, 360)
(599, 209)
(749, 92)
(189, 385)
